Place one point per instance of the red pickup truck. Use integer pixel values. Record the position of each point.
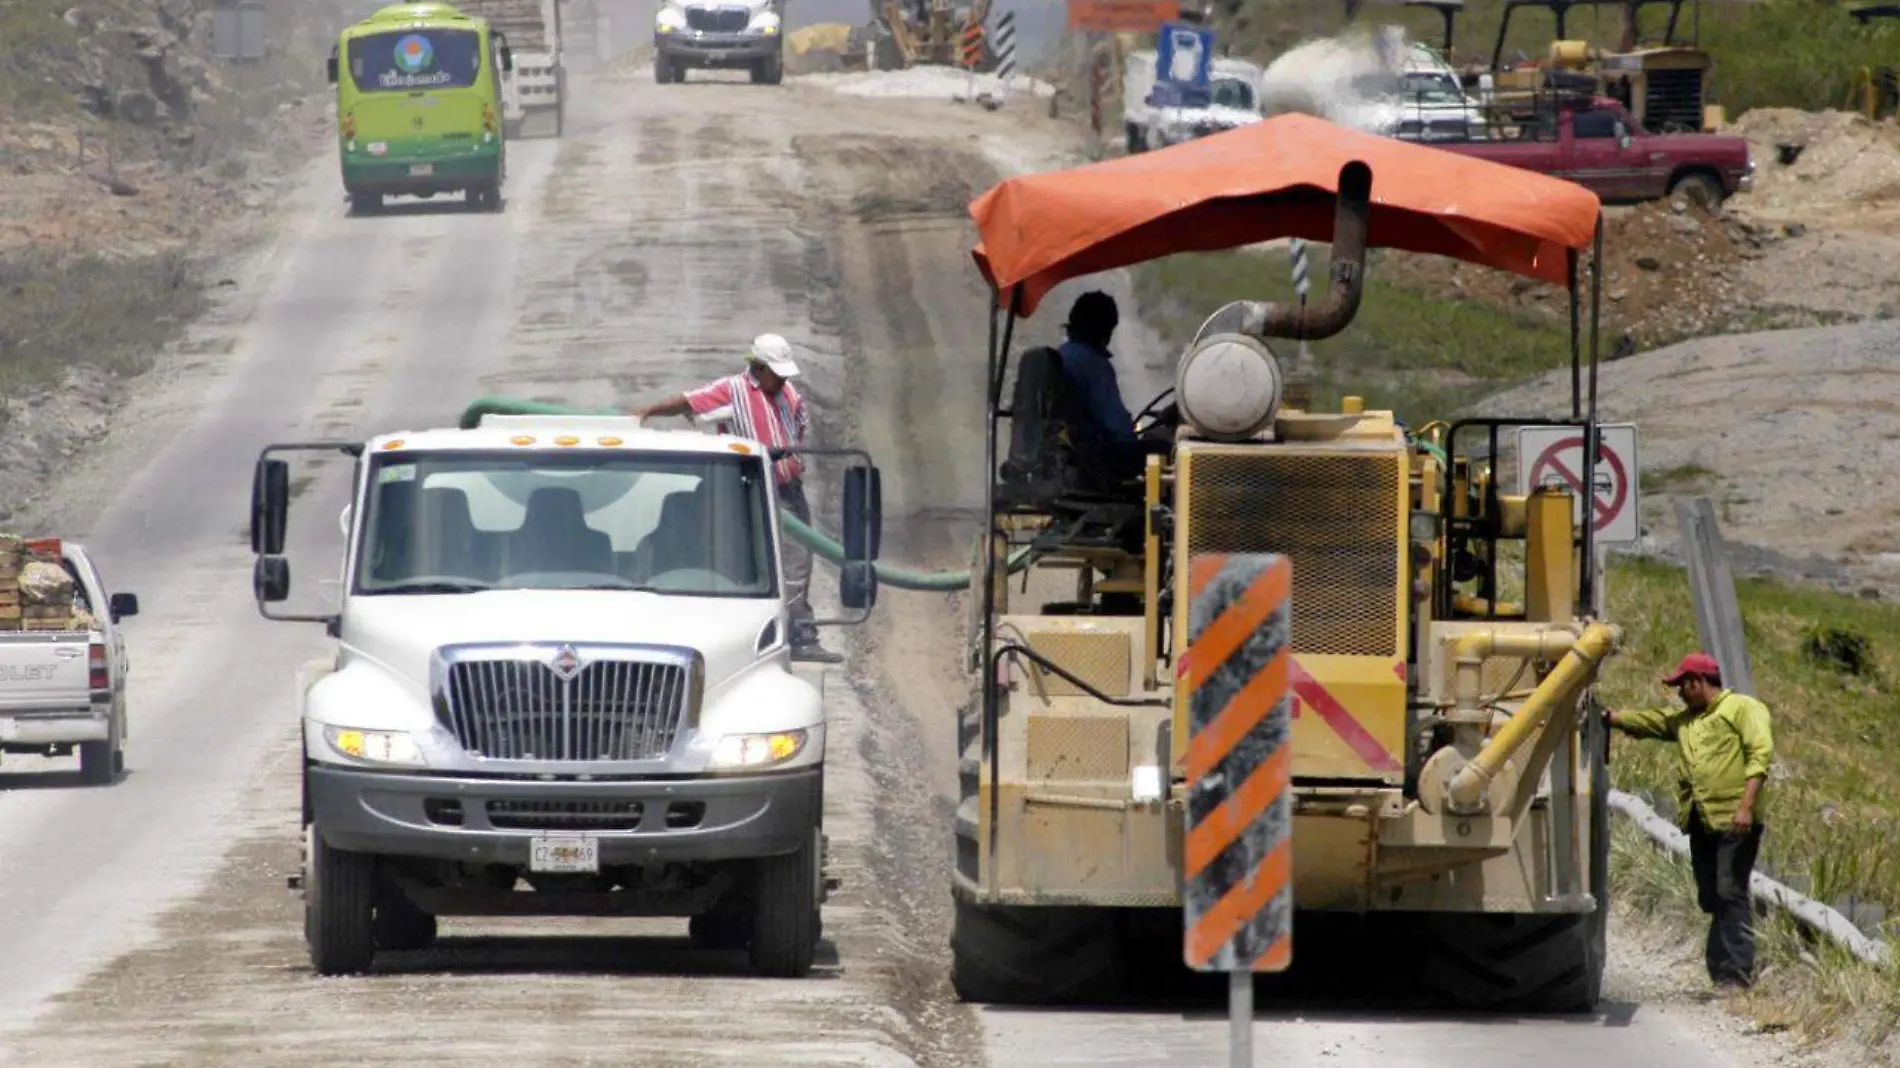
(1598, 145)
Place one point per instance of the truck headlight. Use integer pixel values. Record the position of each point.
(669, 20)
(757, 750)
(379, 747)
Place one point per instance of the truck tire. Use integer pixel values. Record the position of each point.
(366, 203)
(1035, 955)
(338, 904)
(769, 71)
(785, 913)
(1698, 189)
(400, 926)
(101, 762)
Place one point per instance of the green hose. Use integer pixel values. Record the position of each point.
(902, 578)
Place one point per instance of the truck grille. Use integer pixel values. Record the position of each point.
(718, 19)
(1335, 515)
(589, 708)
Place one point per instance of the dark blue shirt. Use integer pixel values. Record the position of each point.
(1092, 376)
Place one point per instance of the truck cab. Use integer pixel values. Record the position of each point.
(718, 35)
(560, 686)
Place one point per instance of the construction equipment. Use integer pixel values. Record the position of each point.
(1448, 758)
(827, 47)
(1665, 86)
(1874, 91)
(932, 33)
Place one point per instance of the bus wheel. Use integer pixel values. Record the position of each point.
(485, 197)
(366, 203)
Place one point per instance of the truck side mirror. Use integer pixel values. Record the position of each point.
(270, 578)
(270, 506)
(329, 68)
(507, 54)
(122, 605)
(863, 530)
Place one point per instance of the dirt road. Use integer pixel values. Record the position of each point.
(636, 255)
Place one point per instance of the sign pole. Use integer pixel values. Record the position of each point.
(1237, 887)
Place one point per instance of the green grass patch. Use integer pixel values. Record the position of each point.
(38, 52)
(1421, 356)
(1681, 476)
(57, 315)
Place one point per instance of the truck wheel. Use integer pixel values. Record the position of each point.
(1698, 190)
(1035, 955)
(1132, 134)
(101, 762)
(400, 926)
(366, 203)
(718, 930)
(785, 913)
(769, 71)
(339, 896)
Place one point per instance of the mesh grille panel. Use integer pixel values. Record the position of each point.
(1335, 516)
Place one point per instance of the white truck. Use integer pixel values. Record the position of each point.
(538, 83)
(561, 686)
(719, 35)
(1233, 100)
(62, 684)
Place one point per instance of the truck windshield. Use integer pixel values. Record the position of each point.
(403, 60)
(451, 522)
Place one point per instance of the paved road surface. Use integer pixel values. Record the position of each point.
(148, 922)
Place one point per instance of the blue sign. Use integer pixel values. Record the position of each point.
(1184, 54)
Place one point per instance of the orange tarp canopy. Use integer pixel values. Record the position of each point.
(1270, 180)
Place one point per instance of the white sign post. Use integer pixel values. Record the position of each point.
(1553, 455)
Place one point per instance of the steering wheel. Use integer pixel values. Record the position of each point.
(1158, 416)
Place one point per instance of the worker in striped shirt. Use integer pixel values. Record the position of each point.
(761, 403)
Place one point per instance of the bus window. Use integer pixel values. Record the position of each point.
(403, 60)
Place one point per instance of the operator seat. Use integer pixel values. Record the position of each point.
(554, 536)
(1057, 461)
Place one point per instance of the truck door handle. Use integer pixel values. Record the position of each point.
(65, 652)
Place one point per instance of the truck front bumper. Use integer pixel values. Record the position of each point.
(493, 821)
(78, 725)
(694, 49)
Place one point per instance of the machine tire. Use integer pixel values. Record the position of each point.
(785, 913)
(400, 926)
(101, 762)
(1698, 188)
(1515, 963)
(1035, 955)
(338, 907)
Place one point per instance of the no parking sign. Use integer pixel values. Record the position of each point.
(1553, 455)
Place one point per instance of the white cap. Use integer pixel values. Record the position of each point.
(776, 353)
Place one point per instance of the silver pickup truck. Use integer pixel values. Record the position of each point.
(65, 689)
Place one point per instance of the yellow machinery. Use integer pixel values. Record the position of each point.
(1874, 91)
(934, 32)
(1448, 760)
(1664, 86)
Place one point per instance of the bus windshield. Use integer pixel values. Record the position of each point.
(406, 60)
(464, 521)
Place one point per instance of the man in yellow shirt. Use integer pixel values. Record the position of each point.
(1726, 744)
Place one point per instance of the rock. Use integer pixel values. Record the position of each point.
(1794, 229)
(136, 106)
(1617, 295)
(1649, 263)
(122, 188)
(42, 583)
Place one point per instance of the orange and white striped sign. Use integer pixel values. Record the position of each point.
(1237, 888)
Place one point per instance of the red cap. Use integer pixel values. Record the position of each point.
(1695, 664)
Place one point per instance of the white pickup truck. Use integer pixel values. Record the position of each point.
(65, 688)
(561, 665)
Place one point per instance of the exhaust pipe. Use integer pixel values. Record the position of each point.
(1352, 219)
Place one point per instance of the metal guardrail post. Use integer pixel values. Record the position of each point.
(1718, 614)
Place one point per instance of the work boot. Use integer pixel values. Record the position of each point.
(810, 652)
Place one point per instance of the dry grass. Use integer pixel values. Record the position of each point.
(111, 314)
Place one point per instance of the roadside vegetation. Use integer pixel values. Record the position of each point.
(59, 314)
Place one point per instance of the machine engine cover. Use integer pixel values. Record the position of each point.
(1228, 386)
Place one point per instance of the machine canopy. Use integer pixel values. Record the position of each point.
(1269, 180)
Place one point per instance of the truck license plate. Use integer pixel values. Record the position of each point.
(564, 854)
(421, 170)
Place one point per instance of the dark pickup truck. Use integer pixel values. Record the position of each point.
(1598, 145)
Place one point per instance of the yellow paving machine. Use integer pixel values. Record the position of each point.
(1448, 759)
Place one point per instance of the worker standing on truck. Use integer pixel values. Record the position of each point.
(761, 403)
(1726, 743)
